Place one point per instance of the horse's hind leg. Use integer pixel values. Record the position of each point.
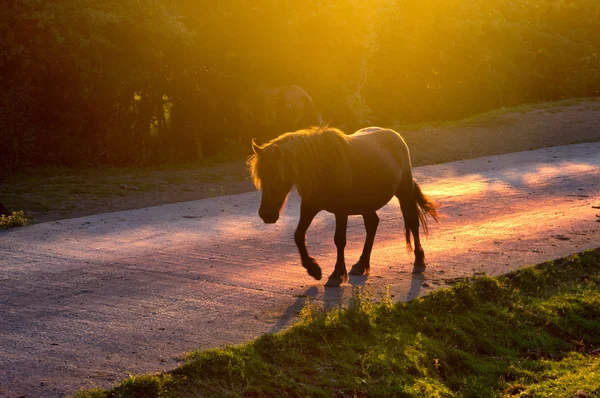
(363, 265)
(410, 213)
(307, 214)
(339, 274)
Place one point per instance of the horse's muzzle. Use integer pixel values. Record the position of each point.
(268, 217)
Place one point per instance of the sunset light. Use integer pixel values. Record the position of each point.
(299, 198)
(165, 77)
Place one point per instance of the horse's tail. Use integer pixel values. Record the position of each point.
(415, 209)
(426, 206)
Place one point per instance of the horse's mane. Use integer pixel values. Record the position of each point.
(318, 158)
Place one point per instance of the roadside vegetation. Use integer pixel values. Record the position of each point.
(15, 219)
(531, 333)
(53, 193)
(58, 192)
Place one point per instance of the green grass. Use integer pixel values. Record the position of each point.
(59, 191)
(532, 333)
(15, 219)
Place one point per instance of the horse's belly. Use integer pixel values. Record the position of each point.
(360, 203)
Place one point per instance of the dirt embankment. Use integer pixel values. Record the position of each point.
(83, 193)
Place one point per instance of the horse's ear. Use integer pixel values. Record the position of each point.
(256, 149)
(278, 152)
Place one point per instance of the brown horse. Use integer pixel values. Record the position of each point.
(269, 111)
(344, 175)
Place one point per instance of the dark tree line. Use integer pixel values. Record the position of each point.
(93, 82)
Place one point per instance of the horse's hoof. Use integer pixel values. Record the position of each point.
(313, 268)
(333, 282)
(315, 272)
(418, 268)
(336, 281)
(359, 270)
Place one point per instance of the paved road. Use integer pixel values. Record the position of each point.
(87, 301)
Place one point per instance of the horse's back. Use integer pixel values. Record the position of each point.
(377, 131)
(384, 148)
(371, 129)
(380, 166)
(293, 91)
(382, 140)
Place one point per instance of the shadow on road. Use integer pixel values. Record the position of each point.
(416, 284)
(293, 310)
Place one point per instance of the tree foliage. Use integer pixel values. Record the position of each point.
(87, 82)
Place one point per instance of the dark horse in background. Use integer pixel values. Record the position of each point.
(267, 112)
(344, 175)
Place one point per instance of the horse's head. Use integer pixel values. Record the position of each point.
(271, 175)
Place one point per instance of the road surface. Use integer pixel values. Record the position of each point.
(86, 302)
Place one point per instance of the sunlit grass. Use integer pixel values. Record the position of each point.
(535, 332)
(15, 219)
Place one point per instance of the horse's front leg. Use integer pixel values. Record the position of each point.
(363, 265)
(307, 213)
(339, 275)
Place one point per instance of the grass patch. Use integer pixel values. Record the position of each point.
(15, 219)
(59, 191)
(482, 118)
(535, 332)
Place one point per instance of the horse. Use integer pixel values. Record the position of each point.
(273, 110)
(345, 175)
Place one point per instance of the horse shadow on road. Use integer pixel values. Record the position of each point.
(416, 284)
(294, 309)
(333, 297)
(337, 298)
